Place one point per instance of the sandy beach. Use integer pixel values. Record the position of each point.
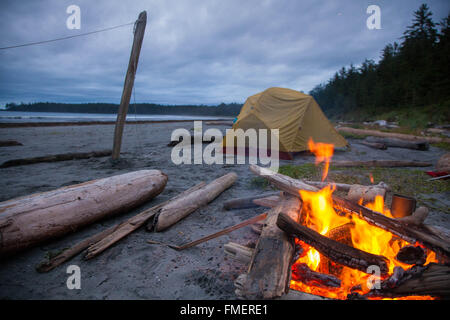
(134, 269)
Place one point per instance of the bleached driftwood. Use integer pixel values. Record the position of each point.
(29, 220)
(403, 136)
(55, 158)
(182, 207)
(246, 202)
(268, 202)
(381, 163)
(238, 252)
(125, 228)
(398, 143)
(269, 271)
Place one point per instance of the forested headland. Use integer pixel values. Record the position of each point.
(410, 82)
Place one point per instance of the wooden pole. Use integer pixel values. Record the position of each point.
(129, 82)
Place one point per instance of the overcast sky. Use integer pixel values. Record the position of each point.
(194, 51)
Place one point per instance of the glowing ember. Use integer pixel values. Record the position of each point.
(323, 153)
(319, 214)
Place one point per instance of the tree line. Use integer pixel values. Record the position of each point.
(231, 109)
(411, 74)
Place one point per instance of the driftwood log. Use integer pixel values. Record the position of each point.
(214, 235)
(67, 254)
(417, 218)
(125, 228)
(398, 143)
(268, 202)
(336, 251)
(366, 193)
(9, 143)
(238, 252)
(423, 234)
(182, 207)
(118, 232)
(246, 202)
(55, 158)
(381, 163)
(269, 271)
(374, 145)
(301, 272)
(29, 220)
(430, 280)
(345, 186)
(403, 136)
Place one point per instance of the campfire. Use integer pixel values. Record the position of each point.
(343, 249)
(319, 214)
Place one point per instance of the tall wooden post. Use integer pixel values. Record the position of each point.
(129, 82)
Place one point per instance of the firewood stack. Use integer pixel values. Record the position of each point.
(270, 263)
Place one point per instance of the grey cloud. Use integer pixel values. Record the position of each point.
(194, 51)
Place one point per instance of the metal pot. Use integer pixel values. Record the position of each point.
(402, 206)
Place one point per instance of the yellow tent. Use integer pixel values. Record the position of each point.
(297, 116)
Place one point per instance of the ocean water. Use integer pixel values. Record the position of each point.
(19, 116)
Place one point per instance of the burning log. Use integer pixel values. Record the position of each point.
(344, 186)
(381, 163)
(408, 232)
(398, 143)
(336, 251)
(182, 207)
(430, 280)
(411, 255)
(367, 193)
(425, 235)
(238, 252)
(301, 272)
(247, 202)
(340, 234)
(29, 220)
(269, 271)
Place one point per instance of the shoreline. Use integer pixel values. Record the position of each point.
(91, 123)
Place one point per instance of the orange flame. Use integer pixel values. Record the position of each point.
(318, 213)
(323, 153)
(371, 178)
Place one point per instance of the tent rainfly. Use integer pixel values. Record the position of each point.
(297, 116)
